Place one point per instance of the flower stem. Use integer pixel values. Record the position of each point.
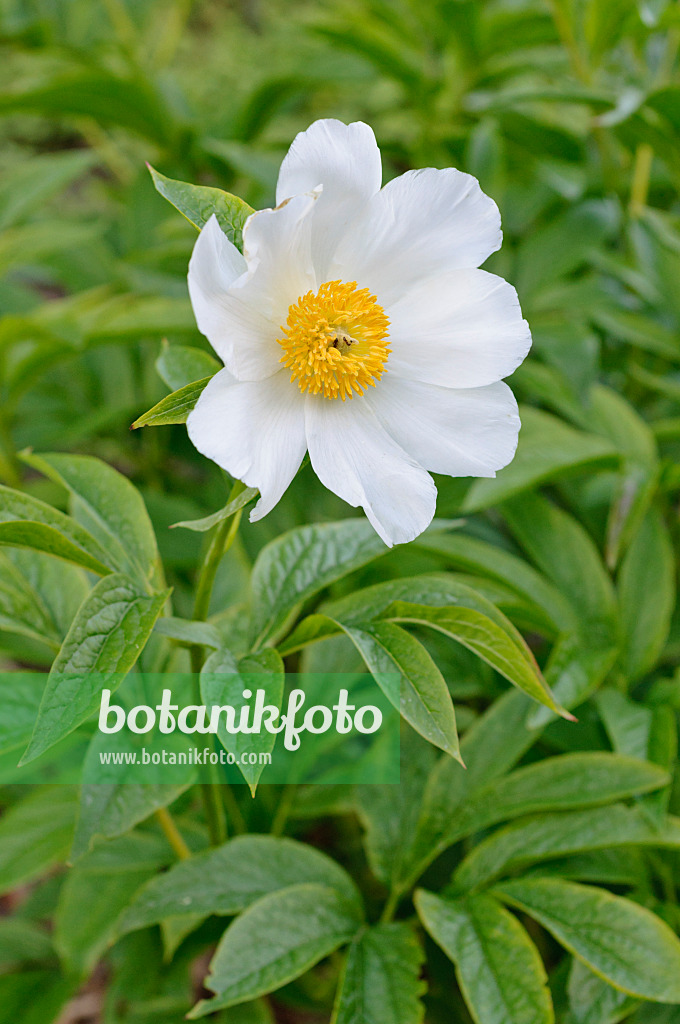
(172, 833)
(221, 541)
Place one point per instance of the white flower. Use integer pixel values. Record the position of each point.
(357, 326)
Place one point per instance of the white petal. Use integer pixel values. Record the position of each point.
(241, 318)
(345, 160)
(423, 222)
(277, 246)
(254, 430)
(354, 457)
(463, 329)
(459, 432)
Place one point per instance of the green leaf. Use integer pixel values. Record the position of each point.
(627, 722)
(129, 103)
(389, 814)
(302, 562)
(105, 639)
(646, 589)
(106, 504)
(21, 943)
(480, 557)
(199, 202)
(174, 408)
(381, 979)
(27, 522)
(108, 810)
(410, 680)
(499, 970)
(179, 365)
(564, 243)
(188, 632)
(594, 1001)
(276, 940)
(558, 835)
(55, 590)
(548, 449)
(226, 880)
(20, 698)
(565, 553)
(624, 943)
(35, 834)
(32, 182)
(497, 643)
(105, 886)
(223, 680)
(230, 509)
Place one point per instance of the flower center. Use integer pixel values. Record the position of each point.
(334, 342)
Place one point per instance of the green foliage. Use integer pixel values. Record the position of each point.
(539, 883)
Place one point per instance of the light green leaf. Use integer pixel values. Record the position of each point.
(624, 943)
(174, 408)
(228, 879)
(558, 835)
(27, 522)
(199, 202)
(499, 970)
(548, 449)
(178, 365)
(381, 979)
(646, 589)
(105, 639)
(35, 834)
(276, 940)
(230, 509)
(106, 504)
(223, 680)
(302, 562)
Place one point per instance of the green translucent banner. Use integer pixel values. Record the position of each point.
(177, 729)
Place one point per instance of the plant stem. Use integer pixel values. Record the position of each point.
(283, 810)
(172, 833)
(236, 819)
(390, 907)
(221, 541)
(642, 170)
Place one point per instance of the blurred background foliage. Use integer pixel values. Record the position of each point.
(568, 111)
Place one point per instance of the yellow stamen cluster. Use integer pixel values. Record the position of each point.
(334, 342)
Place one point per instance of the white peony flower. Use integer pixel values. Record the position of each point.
(357, 326)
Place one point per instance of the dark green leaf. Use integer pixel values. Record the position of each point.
(381, 979)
